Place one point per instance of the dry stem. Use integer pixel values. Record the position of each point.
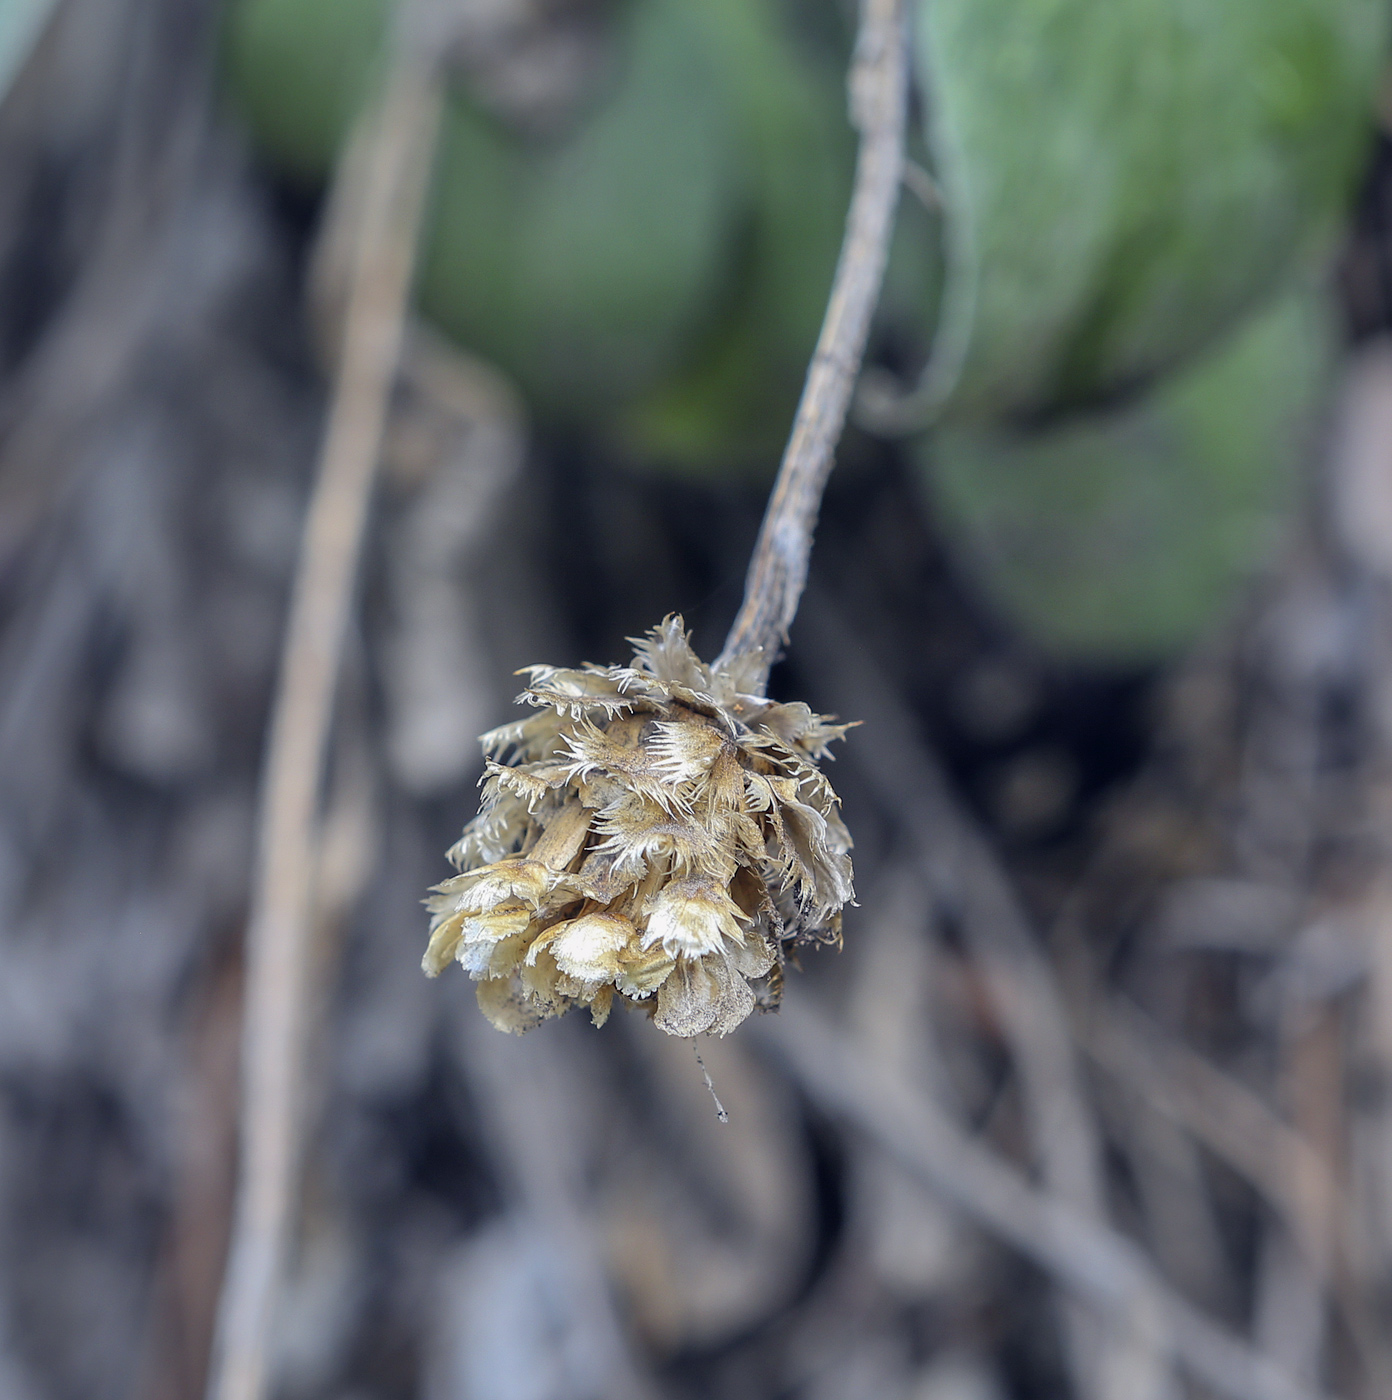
(961, 874)
(399, 143)
(778, 570)
(1083, 1253)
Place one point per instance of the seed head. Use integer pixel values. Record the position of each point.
(657, 833)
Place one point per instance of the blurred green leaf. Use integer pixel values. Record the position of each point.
(1117, 537)
(1125, 179)
(731, 404)
(584, 266)
(660, 267)
(300, 70)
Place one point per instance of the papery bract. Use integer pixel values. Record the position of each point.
(658, 833)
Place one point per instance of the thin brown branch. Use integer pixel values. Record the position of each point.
(1240, 1129)
(1097, 1264)
(962, 874)
(1227, 1117)
(1023, 989)
(398, 141)
(778, 569)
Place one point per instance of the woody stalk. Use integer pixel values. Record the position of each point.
(660, 834)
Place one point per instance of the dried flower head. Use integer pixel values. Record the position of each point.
(657, 833)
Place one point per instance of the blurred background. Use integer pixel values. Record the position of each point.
(1096, 1101)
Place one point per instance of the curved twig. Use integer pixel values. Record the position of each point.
(1096, 1264)
(778, 570)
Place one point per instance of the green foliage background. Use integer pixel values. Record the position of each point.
(1118, 535)
(1124, 181)
(1122, 352)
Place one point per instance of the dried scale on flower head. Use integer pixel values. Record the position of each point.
(658, 833)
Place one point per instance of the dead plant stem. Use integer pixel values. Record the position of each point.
(1093, 1261)
(397, 146)
(778, 569)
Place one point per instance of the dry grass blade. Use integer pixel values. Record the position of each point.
(1227, 1117)
(1094, 1262)
(964, 875)
(1022, 986)
(398, 144)
(778, 570)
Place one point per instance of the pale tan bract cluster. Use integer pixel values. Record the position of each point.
(658, 833)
